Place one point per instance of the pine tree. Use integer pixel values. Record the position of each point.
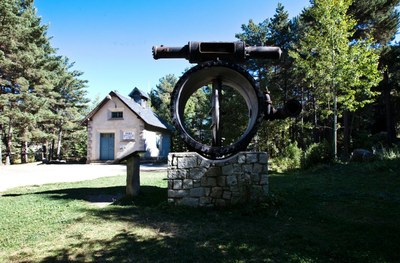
(274, 76)
(18, 59)
(376, 18)
(160, 99)
(380, 19)
(30, 81)
(160, 96)
(257, 35)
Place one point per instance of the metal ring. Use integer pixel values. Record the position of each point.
(230, 75)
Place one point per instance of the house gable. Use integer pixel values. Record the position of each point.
(132, 127)
(115, 113)
(152, 121)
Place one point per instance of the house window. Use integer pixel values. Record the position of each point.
(117, 115)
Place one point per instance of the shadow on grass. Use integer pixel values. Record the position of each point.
(128, 247)
(345, 214)
(149, 195)
(254, 234)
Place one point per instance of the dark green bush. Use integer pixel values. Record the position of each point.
(388, 153)
(289, 159)
(317, 153)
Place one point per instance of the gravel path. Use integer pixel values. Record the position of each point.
(37, 173)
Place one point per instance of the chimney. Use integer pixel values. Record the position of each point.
(139, 97)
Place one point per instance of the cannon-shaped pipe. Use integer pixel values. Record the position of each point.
(198, 52)
(290, 109)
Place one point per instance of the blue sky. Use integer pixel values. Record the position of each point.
(111, 40)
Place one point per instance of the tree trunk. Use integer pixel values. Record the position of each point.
(9, 144)
(44, 151)
(335, 130)
(390, 127)
(315, 122)
(24, 154)
(51, 150)
(1, 153)
(1, 143)
(346, 139)
(302, 146)
(59, 144)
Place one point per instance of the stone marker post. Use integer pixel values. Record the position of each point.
(133, 175)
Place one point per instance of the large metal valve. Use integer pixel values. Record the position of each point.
(218, 75)
(225, 83)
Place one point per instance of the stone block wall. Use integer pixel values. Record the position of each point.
(196, 181)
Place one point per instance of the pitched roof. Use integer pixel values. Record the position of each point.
(144, 113)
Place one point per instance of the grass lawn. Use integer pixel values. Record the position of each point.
(342, 213)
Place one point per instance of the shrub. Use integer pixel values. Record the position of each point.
(293, 153)
(388, 153)
(289, 159)
(317, 153)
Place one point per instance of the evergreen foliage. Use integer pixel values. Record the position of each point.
(339, 73)
(41, 98)
(380, 19)
(376, 18)
(275, 76)
(339, 61)
(160, 100)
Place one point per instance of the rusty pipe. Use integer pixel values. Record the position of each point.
(290, 109)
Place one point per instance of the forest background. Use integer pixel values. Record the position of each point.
(339, 60)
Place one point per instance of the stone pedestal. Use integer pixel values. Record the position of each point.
(196, 181)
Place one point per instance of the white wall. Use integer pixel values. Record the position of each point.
(155, 144)
(102, 123)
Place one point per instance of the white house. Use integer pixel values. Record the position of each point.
(121, 125)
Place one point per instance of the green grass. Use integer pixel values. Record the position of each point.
(342, 213)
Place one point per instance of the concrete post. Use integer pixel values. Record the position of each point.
(133, 175)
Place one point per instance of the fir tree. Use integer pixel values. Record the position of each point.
(274, 76)
(31, 81)
(160, 101)
(381, 20)
(376, 18)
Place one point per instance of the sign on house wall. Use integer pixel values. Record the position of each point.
(128, 135)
